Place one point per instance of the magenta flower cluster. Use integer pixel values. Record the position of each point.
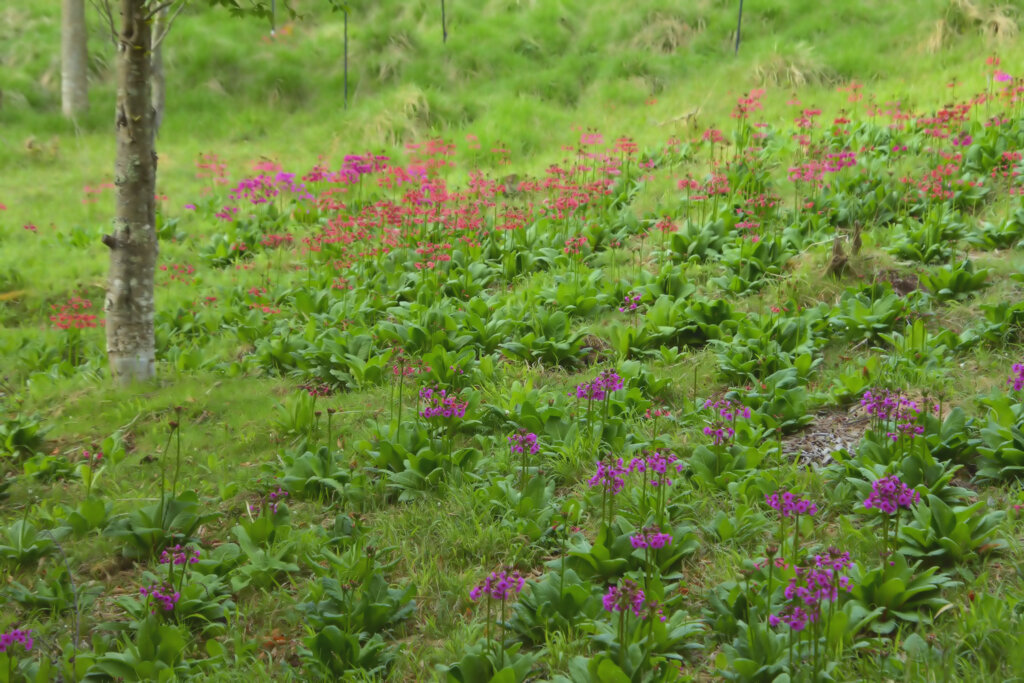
(656, 465)
(1017, 378)
(610, 475)
(902, 412)
(317, 390)
(726, 412)
(276, 497)
(179, 555)
(21, 637)
(889, 494)
(793, 616)
(164, 596)
(524, 441)
(811, 586)
(789, 505)
(606, 382)
(627, 596)
(651, 537)
(440, 403)
(630, 303)
(499, 585)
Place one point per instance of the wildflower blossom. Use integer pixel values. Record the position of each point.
(793, 616)
(606, 382)
(609, 474)
(651, 537)
(901, 412)
(164, 596)
(725, 412)
(440, 403)
(627, 596)
(1017, 378)
(889, 494)
(499, 585)
(788, 504)
(630, 302)
(179, 555)
(21, 637)
(656, 465)
(524, 442)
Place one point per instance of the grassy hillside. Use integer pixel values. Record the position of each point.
(596, 230)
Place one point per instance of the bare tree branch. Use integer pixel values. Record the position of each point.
(159, 8)
(103, 7)
(167, 24)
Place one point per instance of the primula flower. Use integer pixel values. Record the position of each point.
(656, 465)
(630, 302)
(902, 412)
(651, 537)
(889, 494)
(626, 596)
(606, 382)
(793, 616)
(609, 474)
(788, 504)
(499, 585)
(179, 555)
(524, 441)
(726, 412)
(21, 637)
(441, 404)
(1017, 378)
(164, 595)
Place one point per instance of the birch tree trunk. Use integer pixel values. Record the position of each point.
(74, 59)
(133, 245)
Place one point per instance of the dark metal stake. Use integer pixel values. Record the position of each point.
(739, 23)
(444, 25)
(346, 59)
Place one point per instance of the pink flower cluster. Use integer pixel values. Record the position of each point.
(656, 465)
(606, 382)
(789, 505)
(609, 474)
(811, 586)
(164, 595)
(885, 406)
(179, 555)
(1017, 378)
(22, 637)
(651, 537)
(793, 616)
(630, 302)
(889, 494)
(726, 413)
(524, 441)
(441, 404)
(499, 585)
(626, 596)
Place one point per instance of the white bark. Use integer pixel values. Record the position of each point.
(159, 80)
(74, 58)
(133, 246)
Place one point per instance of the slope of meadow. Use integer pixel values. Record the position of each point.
(575, 348)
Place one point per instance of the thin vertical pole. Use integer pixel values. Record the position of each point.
(273, 17)
(444, 25)
(739, 23)
(346, 59)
